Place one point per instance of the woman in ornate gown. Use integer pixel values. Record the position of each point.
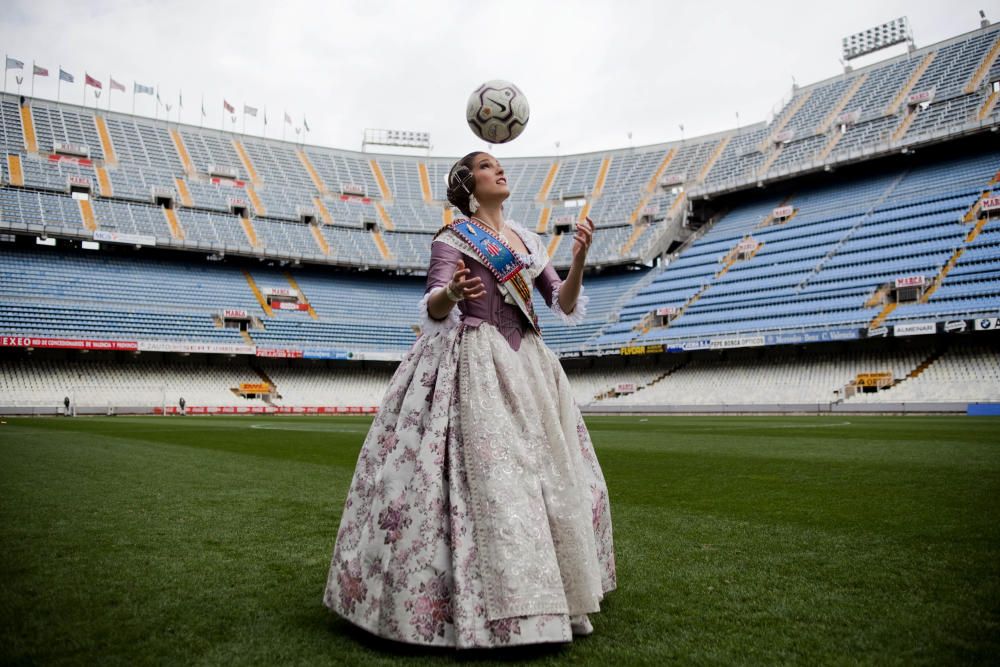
(478, 515)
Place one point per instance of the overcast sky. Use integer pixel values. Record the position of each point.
(593, 71)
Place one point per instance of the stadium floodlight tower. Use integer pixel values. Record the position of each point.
(877, 38)
(398, 138)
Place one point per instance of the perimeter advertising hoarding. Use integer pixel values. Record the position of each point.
(280, 353)
(195, 348)
(68, 343)
(120, 237)
(915, 329)
(825, 336)
(987, 323)
(737, 341)
(956, 326)
(642, 349)
(326, 354)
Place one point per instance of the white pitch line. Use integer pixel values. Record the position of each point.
(312, 428)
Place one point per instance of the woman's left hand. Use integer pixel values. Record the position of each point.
(582, 239)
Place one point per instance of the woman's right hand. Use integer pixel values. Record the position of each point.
(465, 287)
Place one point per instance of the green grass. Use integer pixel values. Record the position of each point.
(739, 540)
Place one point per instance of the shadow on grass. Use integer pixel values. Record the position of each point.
(387, 647)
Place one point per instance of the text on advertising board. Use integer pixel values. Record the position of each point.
(910, 281)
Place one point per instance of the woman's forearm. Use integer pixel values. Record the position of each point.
(438, 304)
(570, 289)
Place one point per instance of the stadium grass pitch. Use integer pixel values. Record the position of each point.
(739, 540)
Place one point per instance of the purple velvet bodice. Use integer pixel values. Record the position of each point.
(491, 307)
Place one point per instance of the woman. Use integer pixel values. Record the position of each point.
(478, 515)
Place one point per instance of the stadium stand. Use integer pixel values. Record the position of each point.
(867, 206)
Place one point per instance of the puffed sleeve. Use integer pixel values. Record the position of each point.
(439, 273)
(549, 284)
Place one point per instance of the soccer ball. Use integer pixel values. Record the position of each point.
(497, 111)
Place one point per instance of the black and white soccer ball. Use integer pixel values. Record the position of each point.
(497, 111)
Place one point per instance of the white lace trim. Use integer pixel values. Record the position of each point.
(429, 325)
(538, 255)
(579, 312)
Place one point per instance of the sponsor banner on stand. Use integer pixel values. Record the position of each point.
(880, 379)
(956, 326)
(656, 348)
(195, 348)
(119, 237)
(987, 323)
(68, 343)
(878, 332)
(282, 353)
(910, 281)
(255, 388)
(328, 354)
(824, 336)
(289, 305)
(235, 314)
(915, 329)
(736, 341)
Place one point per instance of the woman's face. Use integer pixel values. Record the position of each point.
(491, 181)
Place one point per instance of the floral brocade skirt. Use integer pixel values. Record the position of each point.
(478, 515)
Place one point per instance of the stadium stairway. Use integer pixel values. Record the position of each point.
(302, 295)
(383, 185)
(550, 177)
(183, 192)
(107, 147)
(176, 230)
(311, 170)
(87, 214)
(182, 154)
(257, 294)
(987, 107)
(908, 85)
(250, 232)
(984, 67)
(28, 127)
(379, 242)
(14, 170)
(248, 166)
(706, 168)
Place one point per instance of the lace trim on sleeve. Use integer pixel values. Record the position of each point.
(428, 325)
(579, 312)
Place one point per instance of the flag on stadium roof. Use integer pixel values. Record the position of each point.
(65, 76)
(14, 63)
(39, 71)
(91, 81)
(139, 88)
(305, 124)
(250, 110)
(115, 85)
(228, 107)
(180, 100)
(203, 114)
(288, 119)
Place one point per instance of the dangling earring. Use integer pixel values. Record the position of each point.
(473, 203)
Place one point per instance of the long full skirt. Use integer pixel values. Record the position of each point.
(478, 515)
